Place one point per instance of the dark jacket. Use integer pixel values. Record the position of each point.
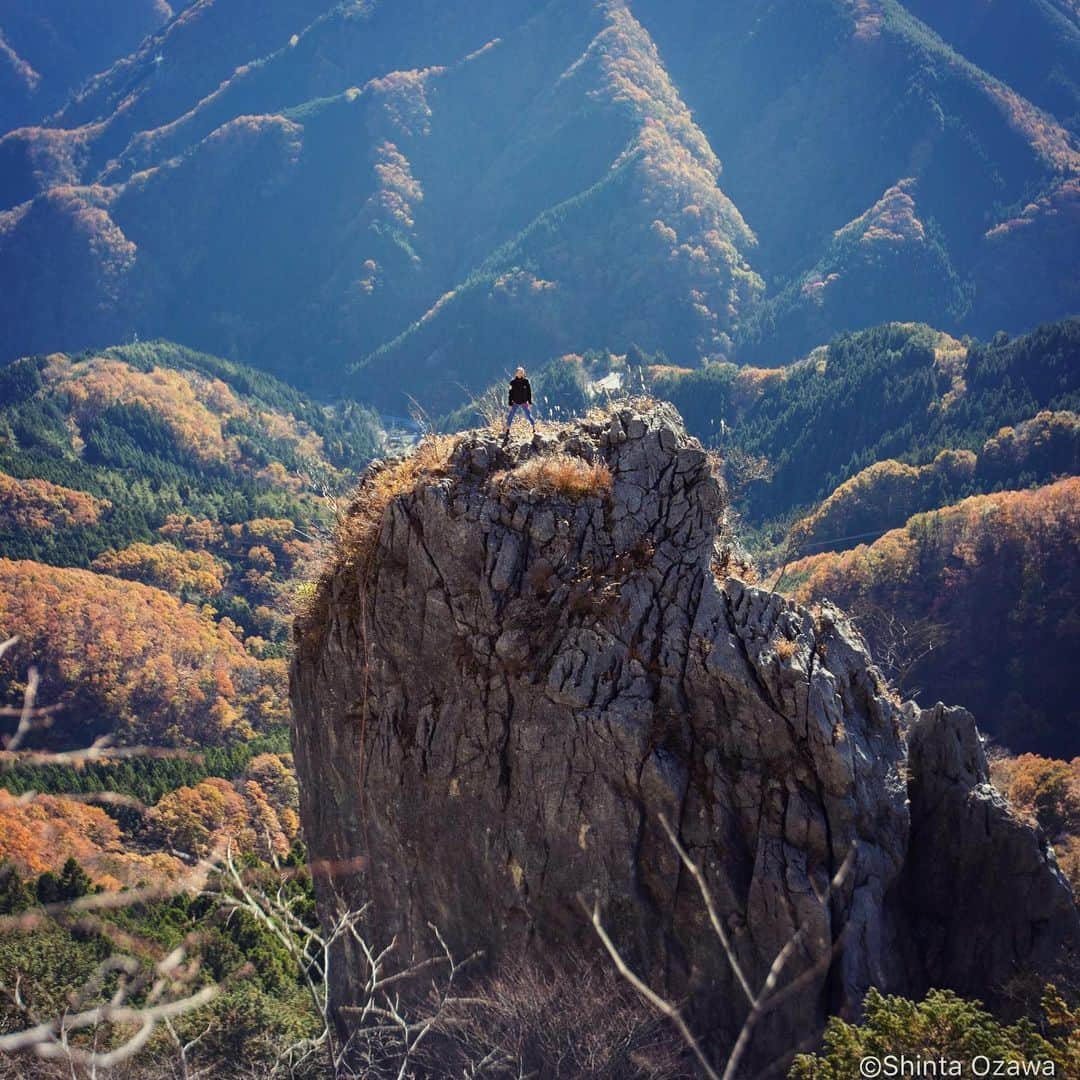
(520, 391)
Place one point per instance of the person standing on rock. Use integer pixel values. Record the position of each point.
(520, 398)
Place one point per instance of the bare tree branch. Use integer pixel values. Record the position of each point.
(663, 1007)
(770, 996)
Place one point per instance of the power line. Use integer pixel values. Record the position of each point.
(837, 539)
(802, 548)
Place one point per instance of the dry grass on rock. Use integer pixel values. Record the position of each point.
(358, 531)
(356, 534)
(560, 474)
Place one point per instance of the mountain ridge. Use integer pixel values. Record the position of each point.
(349, 191)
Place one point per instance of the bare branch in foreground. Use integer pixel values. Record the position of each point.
(183, 1049)
(386, 1034)
(653, 998)
(29, 717)
(51, 1038)
(768, 998)
(100, 750)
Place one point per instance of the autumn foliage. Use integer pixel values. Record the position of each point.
(204, 414)
(162, 671)
(1047, 443)
(1047, 789)
(39, 504)
(257, 813)
(881, 496)
(166, 567)
(1048, 792)
(42, 833)
(887, 493)
(1043, 521)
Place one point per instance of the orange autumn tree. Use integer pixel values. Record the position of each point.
(192, 531)
(131, 658)
(39, 504)
(42, 833)
(166, 567)
(276, 776)
(1047, 443)
(1047, 791)
(197, 820)
(270, 548)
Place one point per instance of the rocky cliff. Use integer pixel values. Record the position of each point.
(521, 656)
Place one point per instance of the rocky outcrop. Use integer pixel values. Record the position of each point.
(496, 702)
(983, 898)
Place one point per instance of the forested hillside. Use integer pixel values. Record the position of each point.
(48, 48)
(982, 596)
(159, 509)
(888, 492)
(898, 391)
(409, 188)
(189, 493)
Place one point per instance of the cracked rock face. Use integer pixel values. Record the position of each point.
(491, 714)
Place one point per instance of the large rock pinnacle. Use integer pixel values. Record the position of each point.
(498, 697)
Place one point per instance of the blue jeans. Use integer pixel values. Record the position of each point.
(528, 412)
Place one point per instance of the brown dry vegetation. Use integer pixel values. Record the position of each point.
(581, 1021)
(786, 649)
(357, 533)
(560, 474)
